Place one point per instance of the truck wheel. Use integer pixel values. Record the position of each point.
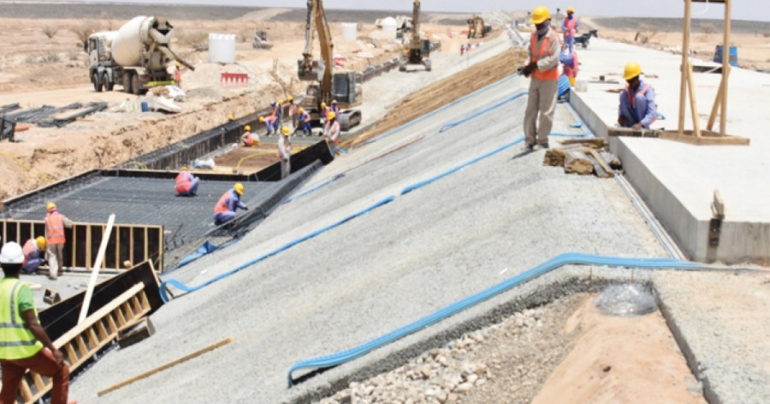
(135, 84)
(127, 82)
(108, 84)
(97, 80)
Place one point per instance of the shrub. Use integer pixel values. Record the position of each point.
(49, 31)
(707, 28)
(83, 30)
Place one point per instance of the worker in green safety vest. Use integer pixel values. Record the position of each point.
(24, 344)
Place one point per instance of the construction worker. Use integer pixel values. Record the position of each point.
(544, 84)
(637, 103)
(324, 112)
(293, 111)
(284, 152)
(569, 61)
(33, 254)
(24, 344)
(462, 49)
(304, 121)
(249, 139)
(186, 183)
(332, 133)
(570, 26)
(335, 107)
(278, 113)
(178, 74)
(269, 124)
(55, 223)
(224, 211)
(230, 118)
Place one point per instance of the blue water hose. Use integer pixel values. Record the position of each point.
(179, 285)
(315, 188)
(554, 263)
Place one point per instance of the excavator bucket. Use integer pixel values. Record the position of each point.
(314, 72)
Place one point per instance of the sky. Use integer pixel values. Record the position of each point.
(758, 10)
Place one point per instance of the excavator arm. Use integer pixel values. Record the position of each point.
(309, 68)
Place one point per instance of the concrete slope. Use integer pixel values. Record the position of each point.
(392, 266)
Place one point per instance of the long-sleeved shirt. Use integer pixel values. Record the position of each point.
(234, 201)
(284, 147)
(650, 113)
(564, 24)
(551, 61)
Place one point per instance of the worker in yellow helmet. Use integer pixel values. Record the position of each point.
(249, 139)
(229, 202)
(304, 122)
(55, 223)
(25, 343)
(570, 27)
(186, 183)
(34, 250)
(284, 151)
(335, 107)
(333, 131)
(178, 74)
(637, 102)
(325, 109)
(230, 117)
(293, 112)
(543, 68)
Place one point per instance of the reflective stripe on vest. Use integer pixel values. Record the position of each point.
(570, 24)
(545, 51)
(54, 229)
(221, 205)
(632, 101)
(183, 183)
(249, 141)
(16, 340)
(571, 71)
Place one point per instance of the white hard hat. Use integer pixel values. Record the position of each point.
(11, 254)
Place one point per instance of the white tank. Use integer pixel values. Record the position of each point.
(221, 48)
(389, 26)
(349, 31)
(136, 36)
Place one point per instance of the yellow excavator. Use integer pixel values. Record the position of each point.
(476, 27)
(326, 85)
(417, 52)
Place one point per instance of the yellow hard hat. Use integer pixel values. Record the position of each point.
(247, 128)
(238, 187)
(177, 63)
(50, 206)
(40, 241)
(261, 119)
(280, 102)
(632, 70)
(540, 14)
(230, 117)
(290, 99)
(570, 10)
(331, 116)
(184, 168)
(302, 110)
(285, 131)
(323, 105)
(334, 101)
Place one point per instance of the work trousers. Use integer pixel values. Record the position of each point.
(224, 217)
(634, 114)
(193, 187)
(55, 259)
(285, 168)
(542, 99)
(31, 266)
(42, 363)
(570, 41)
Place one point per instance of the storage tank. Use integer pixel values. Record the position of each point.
(137, 35)
(349, 31)
(389, 26)
(221, 48)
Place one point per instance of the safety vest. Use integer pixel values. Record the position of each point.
(543, 52)
(183, 183)
(571, 71)
(249, 141)
(29, 248)
(54, 229)
(16, 340)
(334, 132)
(632, 101)
(221, 205)
(571, 25)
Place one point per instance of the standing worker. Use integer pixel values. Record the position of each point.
(178, 74)
(284, 152)
(278, 114)
(544, 68)
(569, 61)
(637, 103)
(249, 139)
(186, 183)
(33, 254)
(55, 223)
(335, 108)
(304, 122)
(293, 112)
(324, 112)
(24, 344)
(333, 131)
(224, 211)
(570, 27)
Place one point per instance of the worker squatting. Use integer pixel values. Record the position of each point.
(637, 108)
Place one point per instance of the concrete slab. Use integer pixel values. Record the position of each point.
(678, 180)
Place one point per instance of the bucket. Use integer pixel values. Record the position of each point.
(145, 106)
(733, 55)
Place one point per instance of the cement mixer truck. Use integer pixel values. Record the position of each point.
(135, 56)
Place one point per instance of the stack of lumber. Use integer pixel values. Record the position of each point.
(583, 157)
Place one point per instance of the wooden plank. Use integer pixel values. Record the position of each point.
(146, 245)
(72, 356)
(26, 393)
(131, 244)
(88, 247)
(604, 171)
(725, 68)
(103, 334)
(118, 264)
(82, 345)
(715, 107)
(618, 132)
(693, 103)
(39, 383)
(718, 206)
(685, 64)
(577, 163)
(707, 139)
(166, 366)
(97, 266)
(598, 142)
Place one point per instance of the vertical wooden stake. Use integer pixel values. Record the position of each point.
(693, 102)
(685, 63)
(717, 102)
(95, 270)
(725, 69)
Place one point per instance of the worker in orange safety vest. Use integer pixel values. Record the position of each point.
(55, 223)
(33, 250)
(569, 63)
(543, 68)
(224, 210)
(186, 183)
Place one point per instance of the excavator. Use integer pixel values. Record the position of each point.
(326, 85)
(418, 50)
(476, 27)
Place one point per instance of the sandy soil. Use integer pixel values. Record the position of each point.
(620, 359)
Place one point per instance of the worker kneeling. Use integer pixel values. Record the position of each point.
(224, 211)
(33, 250)
(249, 139)
(186, 183)
(637, 103)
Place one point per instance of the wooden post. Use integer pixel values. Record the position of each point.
(95, 270)
(725, 69)
(717, 102)
(693, 103)
(685, 63)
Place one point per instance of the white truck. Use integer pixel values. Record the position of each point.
(135, 56)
